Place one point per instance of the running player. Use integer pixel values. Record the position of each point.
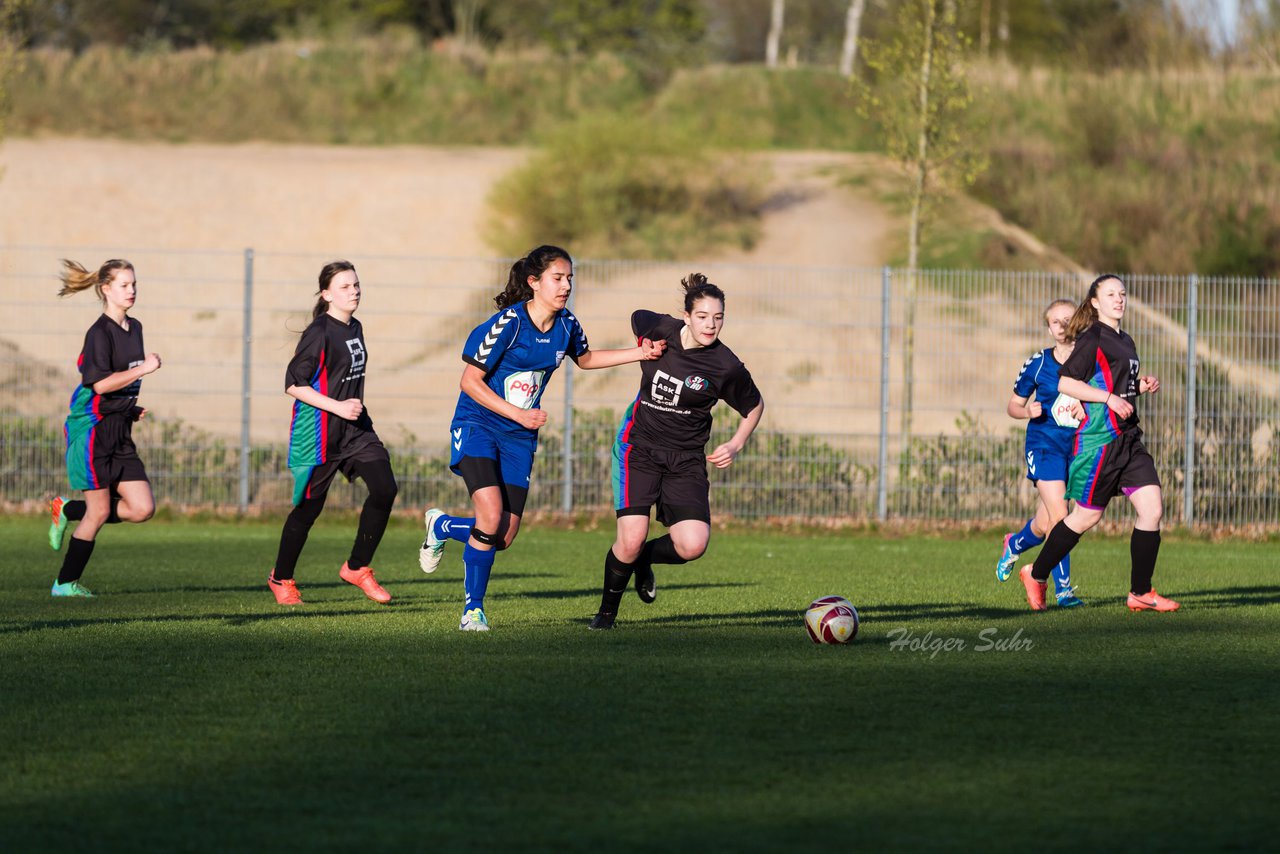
(1048, 450)
(1109, 458)
(509, 359)
(101, 457)
(332, 432)
(659, 456)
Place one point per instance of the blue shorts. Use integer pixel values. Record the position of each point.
(482, 458)
(1044, 464)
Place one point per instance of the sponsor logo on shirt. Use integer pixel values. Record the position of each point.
(521, 389)
(665, 388)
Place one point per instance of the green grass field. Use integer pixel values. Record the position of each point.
(183, 710)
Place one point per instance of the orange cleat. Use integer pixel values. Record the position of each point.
(1152, 601)
(1035, 589)
(363, 578)
(285, 591)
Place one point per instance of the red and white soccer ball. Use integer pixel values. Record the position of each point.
(831, 620)
(1061, 411)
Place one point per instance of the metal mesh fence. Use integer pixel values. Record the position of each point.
(885, 392)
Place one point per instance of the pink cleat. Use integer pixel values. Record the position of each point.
(1151, 601)
(1035, 589)
(363, 578)
(285, 590)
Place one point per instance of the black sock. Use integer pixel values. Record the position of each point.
(660, 550)
(1144, 547)
(73, 510)
(294, 536)
(113, 518)
(77, 558)
(616, 576)
(375, 513)
(1057, 545)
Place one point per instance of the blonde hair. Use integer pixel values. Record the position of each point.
(76, 278)
(1051, 306)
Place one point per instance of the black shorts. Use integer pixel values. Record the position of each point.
(115, 457)
(1121, 466)
(363, 447)
(479, 472)
(673, 481)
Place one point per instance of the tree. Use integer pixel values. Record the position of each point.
(852, 24)
(9, 54)
(920, 97)
(776, 13)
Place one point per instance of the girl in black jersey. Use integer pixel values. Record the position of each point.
(330, 432)
(659, 456)
(101, 457)
(1108, 457)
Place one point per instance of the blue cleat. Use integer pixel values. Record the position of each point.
(71, 588)
(1004, 567)
(1068, 598)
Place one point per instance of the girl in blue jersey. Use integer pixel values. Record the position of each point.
(331, 432)
(101, 457)
(1048, 450)
(1108, 456)
(509, 359)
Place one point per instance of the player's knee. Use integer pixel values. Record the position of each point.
(493, 541)
(691, 551)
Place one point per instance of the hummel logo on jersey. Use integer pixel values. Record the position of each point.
(457, 439)
(542, 340)
(491, 338)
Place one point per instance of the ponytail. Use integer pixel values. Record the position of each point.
(696, 287)
(76, 278)
(531, 266)
(1086, 315)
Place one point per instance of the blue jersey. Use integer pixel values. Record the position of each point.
(517, 360)
(1039, 379)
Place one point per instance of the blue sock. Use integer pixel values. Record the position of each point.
(1062, 575)
(1024, 540)
(454, 528)
(477, 565)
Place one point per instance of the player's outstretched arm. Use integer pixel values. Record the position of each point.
(646, 351)
(122, 379)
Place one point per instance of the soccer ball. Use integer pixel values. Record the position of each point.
(831, 619)
(1061, 411)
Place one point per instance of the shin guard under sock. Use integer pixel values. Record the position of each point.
(77, 558)
(1060, 542)
(1144, 548)
(616, 577)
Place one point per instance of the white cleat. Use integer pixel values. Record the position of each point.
(474, 621)
(432, 549)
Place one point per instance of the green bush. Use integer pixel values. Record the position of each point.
(622, 186)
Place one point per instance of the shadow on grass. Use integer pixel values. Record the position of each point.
(1231, 597)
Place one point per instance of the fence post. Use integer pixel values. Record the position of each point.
(882, 487)
(246, 359)
(566, 489)
(1189, 463)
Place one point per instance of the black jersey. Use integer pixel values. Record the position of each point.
(1106, 359)
(679, 389)
(330, 358)
(110, 349)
